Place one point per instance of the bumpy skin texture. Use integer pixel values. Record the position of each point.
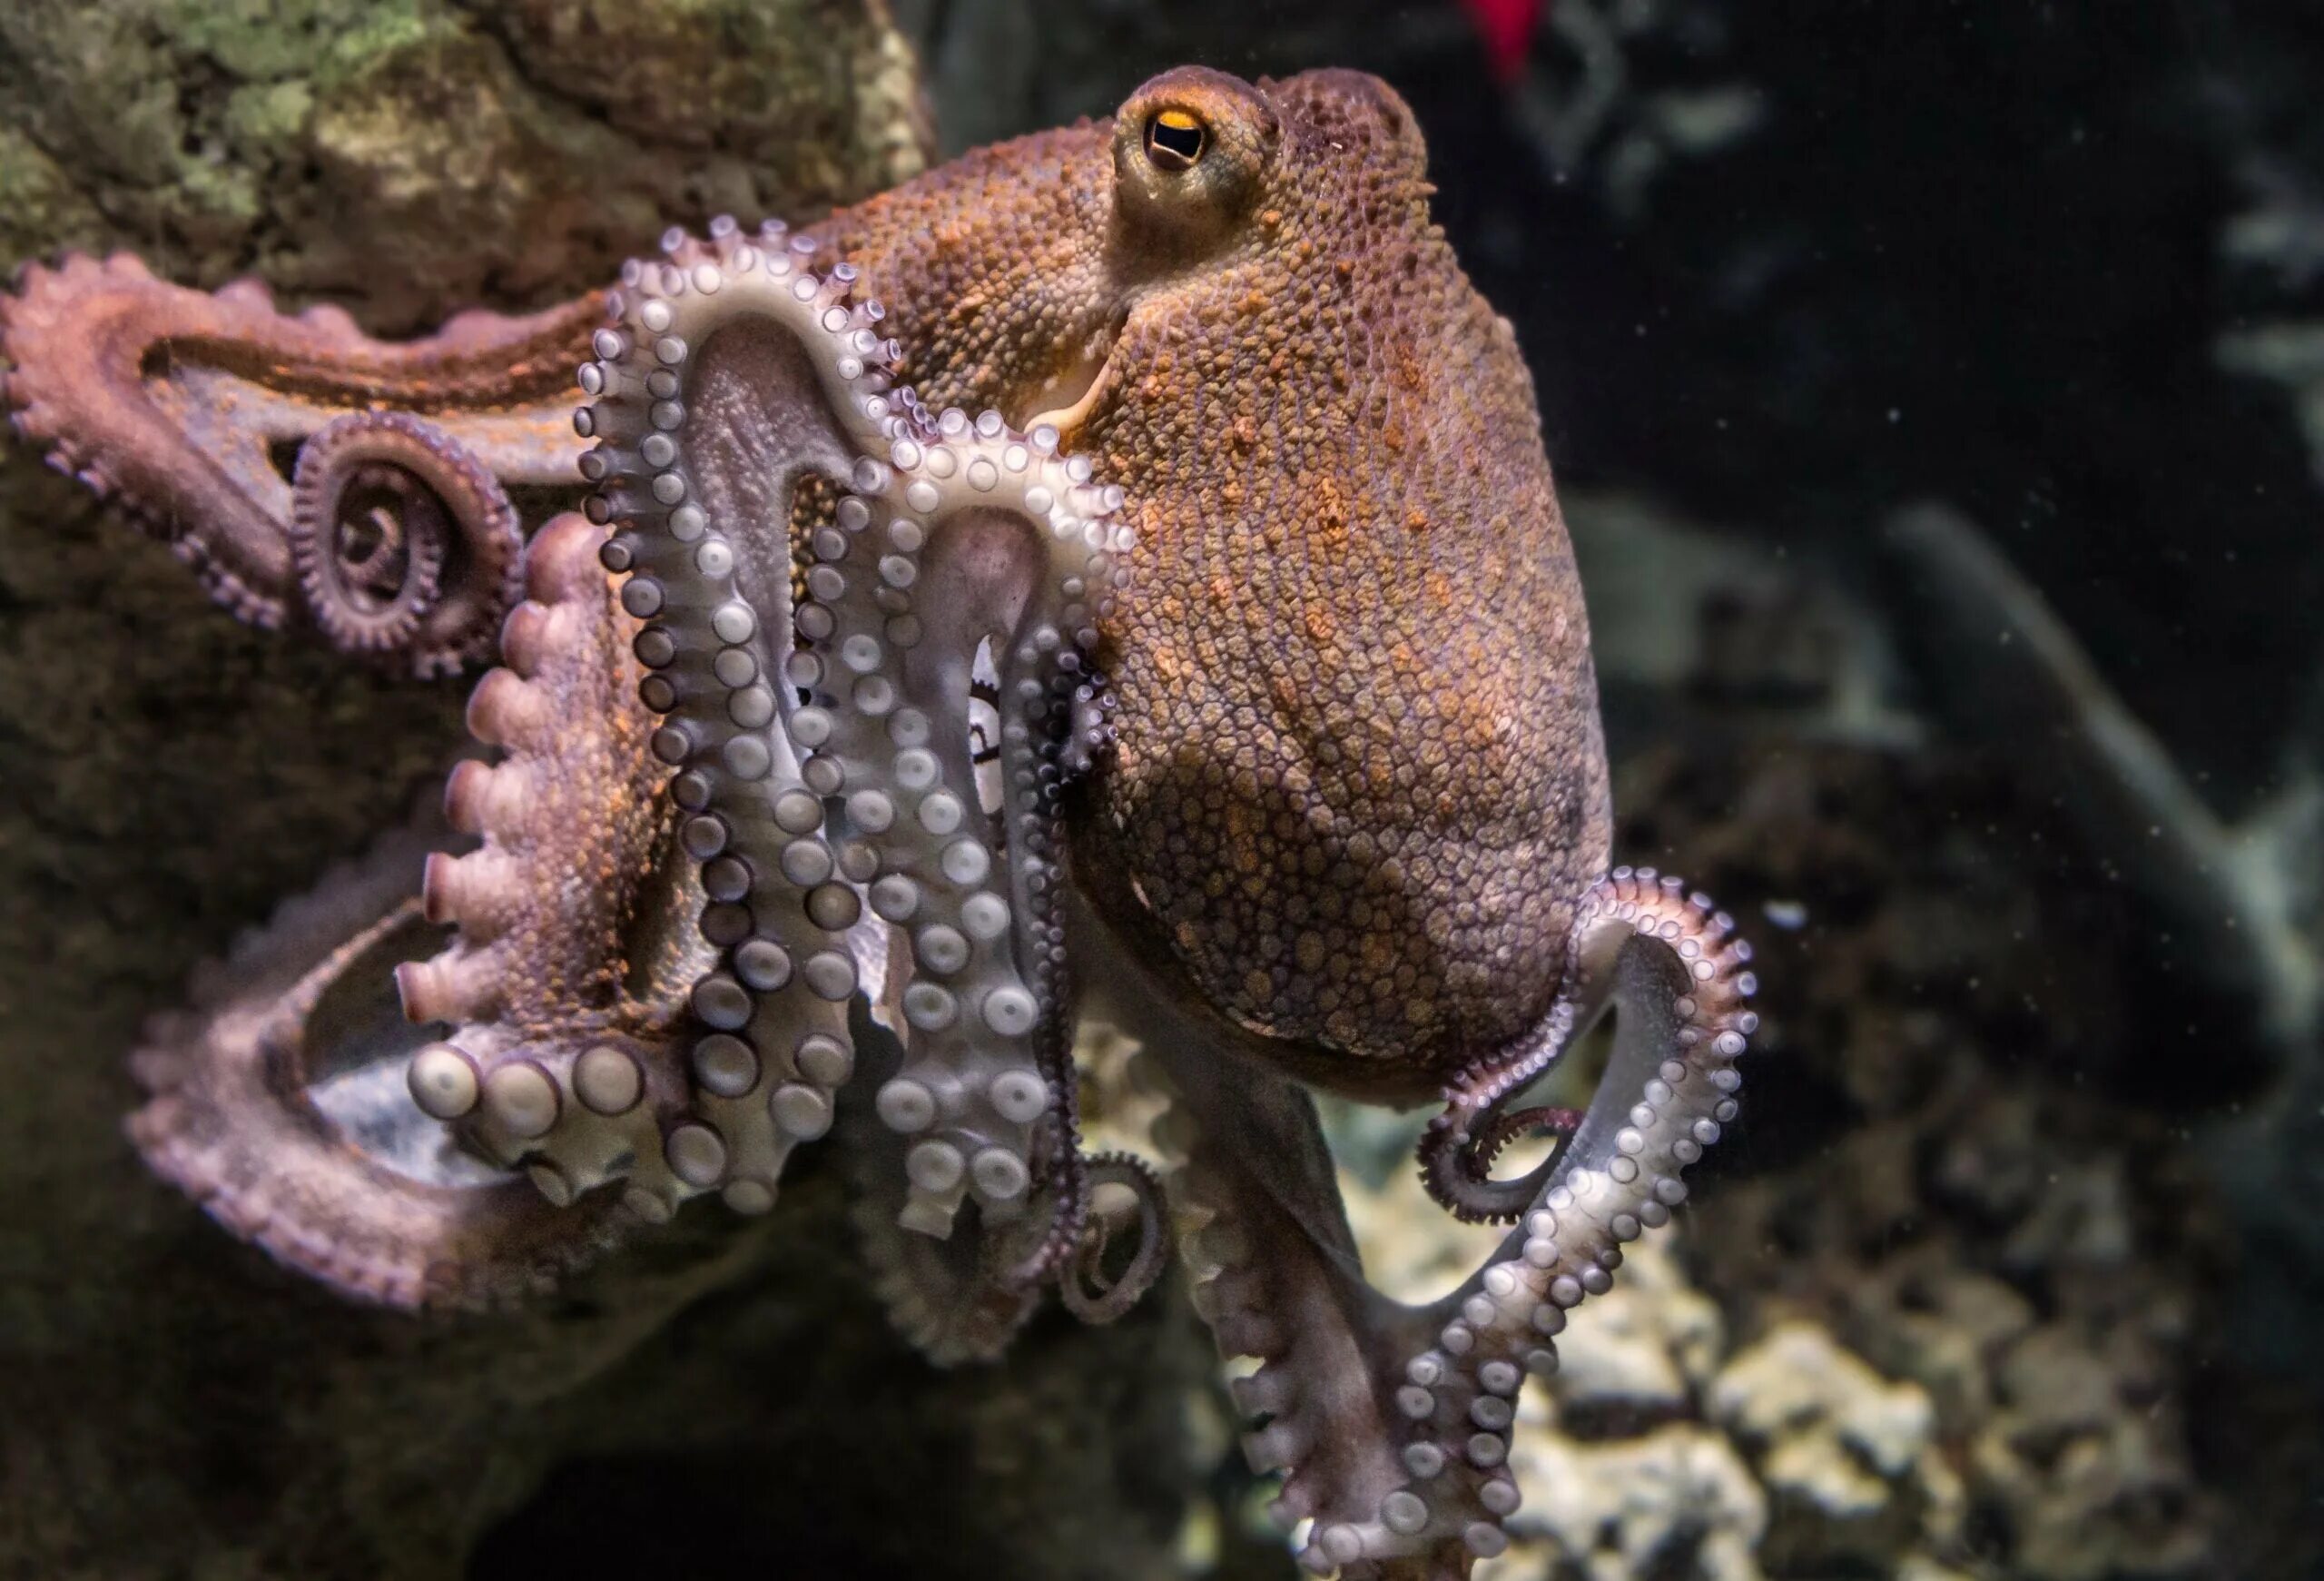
(1358, 777)
(1252, 448)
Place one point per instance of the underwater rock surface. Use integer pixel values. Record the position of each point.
(410, 158)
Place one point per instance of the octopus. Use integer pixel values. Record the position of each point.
(1150, 610)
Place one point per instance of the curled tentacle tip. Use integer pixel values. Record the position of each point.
(405, 544)
(1088, 1290)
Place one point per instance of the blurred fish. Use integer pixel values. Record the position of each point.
(1506, 26)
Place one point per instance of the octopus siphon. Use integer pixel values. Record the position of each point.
(1151, 607)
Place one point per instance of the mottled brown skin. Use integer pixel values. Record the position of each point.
(1358, 777)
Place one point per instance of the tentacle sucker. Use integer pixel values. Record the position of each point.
(1679, 977)
(822, 753)
(562, 998)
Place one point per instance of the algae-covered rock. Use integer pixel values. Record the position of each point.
(412, 157)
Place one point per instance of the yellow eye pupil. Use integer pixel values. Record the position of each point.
(1174, 139)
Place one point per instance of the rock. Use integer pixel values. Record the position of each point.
(1844, 1453)
(1679, 1503)
(409, 158)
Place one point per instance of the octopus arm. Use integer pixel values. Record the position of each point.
(1275, 1272)
(310, 476)
(952, 1299)
(1389, 1424)
(276, 1101)
(815, 663)
(563, 996)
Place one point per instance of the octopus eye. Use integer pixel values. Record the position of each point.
(1175, 140)
(1191, 153)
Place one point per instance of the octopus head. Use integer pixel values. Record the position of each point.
(1357, 779)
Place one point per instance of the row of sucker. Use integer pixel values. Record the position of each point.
(1659, 1104)
(171, 403)
(821, 753)
(774, 1048)
(559, 994)
(1080, 730)
(887, 672)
